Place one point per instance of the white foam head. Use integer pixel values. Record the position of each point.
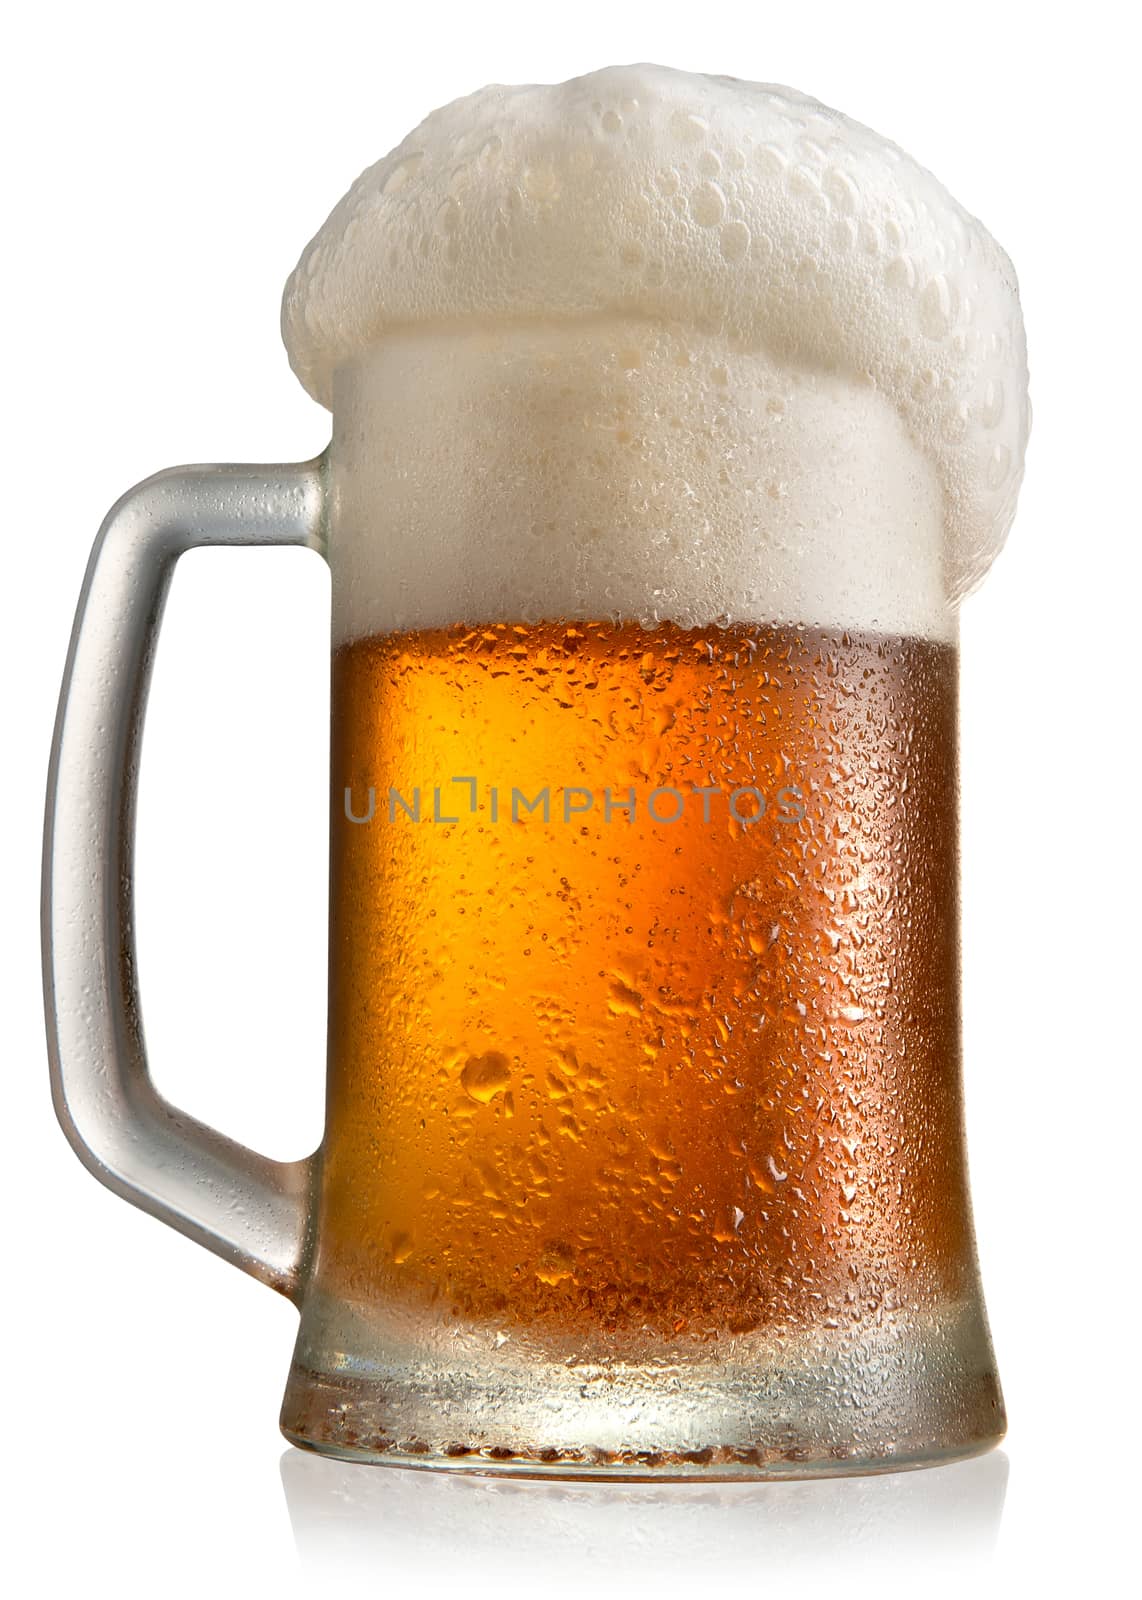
(660, 345)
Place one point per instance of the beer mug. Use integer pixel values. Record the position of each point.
(671, 419)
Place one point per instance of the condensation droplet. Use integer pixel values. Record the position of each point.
(484, 1077)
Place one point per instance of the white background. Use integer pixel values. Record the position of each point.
(164, 166)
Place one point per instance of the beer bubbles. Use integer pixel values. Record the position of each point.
(674, 347)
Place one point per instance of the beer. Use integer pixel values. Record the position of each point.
(672, 418)
(643, 1018)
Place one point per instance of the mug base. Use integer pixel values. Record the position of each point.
(914, 1394)
(715, 1463)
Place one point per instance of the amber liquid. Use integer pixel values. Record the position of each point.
(682, 1079)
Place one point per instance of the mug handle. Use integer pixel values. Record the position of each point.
(245, 1207)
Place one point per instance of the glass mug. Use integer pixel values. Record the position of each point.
(644, 1149)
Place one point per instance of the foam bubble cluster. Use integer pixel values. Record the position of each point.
(752, 231)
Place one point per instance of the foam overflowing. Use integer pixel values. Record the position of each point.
(659, 345)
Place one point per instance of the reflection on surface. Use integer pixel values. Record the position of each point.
(390, 1519)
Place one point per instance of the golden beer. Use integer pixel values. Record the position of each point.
(643, 1018)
